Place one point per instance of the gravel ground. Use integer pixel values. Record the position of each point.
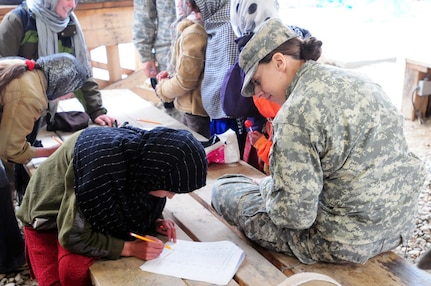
(418, 137)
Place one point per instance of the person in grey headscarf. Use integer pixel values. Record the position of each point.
(25, 88)
(39, 28)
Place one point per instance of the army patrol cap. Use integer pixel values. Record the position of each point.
(270, 35)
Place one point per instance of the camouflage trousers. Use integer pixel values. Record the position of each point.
(237, 199)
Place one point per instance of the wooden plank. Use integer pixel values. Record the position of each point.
(202, 225)
(91, 5)
(4, 9)
(134, 79)
(386, 269)
(124, 105)
(420, 65)
(126, 271)
(106, 26)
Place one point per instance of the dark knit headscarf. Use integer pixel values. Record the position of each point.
(116, 168)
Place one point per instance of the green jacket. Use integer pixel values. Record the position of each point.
(50, 203)
(19, 37)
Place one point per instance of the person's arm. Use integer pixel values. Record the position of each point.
(16, 123)
(74, 232)
(142, 249)
(45, 151)
(189, 64)
(91, 99)
(78, 236)
(145, 28)
(292, 192)
(11, 35)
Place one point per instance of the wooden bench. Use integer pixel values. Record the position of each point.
(196, 220)
(415, 70)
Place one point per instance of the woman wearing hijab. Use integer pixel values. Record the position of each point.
(100, 185)
(39, 28)
(26, 87)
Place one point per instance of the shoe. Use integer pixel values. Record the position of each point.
(14, 270)
(168, 105)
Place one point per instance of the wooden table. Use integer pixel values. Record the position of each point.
(122, 104)
(196, 220)
(126, 106)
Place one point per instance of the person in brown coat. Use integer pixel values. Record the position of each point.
(183, 86)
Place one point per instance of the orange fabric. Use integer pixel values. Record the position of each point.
(266, 107)
(269, 110)
(263, 152)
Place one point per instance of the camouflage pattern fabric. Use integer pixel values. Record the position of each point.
(343, 187)
(151, 30)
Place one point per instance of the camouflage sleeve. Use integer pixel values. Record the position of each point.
(292, 192)
(145, 28)
(91, 99)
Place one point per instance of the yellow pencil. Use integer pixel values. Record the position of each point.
(149, 121)
(145, 239)
(58, 140)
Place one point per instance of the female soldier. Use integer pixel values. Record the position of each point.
(343, 186)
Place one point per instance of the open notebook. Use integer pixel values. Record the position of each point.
(212, 262)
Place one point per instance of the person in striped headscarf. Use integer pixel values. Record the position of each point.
(100, 185)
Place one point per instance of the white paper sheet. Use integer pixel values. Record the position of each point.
(212, 262)
(37, 161)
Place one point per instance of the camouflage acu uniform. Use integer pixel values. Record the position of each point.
(151, 30)
(343, 185)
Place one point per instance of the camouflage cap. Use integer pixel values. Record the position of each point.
(270, 35)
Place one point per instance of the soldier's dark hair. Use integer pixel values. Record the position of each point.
(310, 49)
